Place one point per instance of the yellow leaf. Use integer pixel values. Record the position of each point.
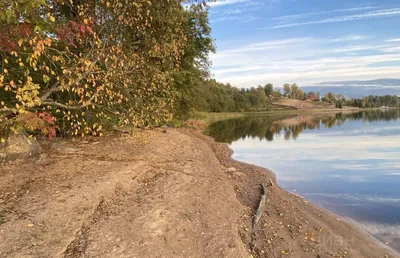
(51, 18)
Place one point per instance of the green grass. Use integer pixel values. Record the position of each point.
(2, 219)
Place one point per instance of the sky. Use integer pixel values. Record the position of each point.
(304, 41)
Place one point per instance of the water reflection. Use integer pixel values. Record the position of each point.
(346, 163)
(291, 126)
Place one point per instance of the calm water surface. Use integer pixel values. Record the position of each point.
(348, 164)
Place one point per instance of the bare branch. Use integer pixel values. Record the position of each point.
(78, 107)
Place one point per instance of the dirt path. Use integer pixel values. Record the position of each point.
(167, 195)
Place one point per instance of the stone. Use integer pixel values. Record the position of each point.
(231, 169)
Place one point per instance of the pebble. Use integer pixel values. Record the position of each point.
(231, 169)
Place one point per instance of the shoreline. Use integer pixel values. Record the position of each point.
(161, 193)
(357, 228)
(353, 222)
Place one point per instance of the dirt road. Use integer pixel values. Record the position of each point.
(173, 194)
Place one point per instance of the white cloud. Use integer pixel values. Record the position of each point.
(271, 44)
(349, 38)
(391, 49)
(307, 77)
(225, 2)
(393, 40)
(355, 48)
(304, 15)
(243, 18)
(306, 60)
(374, 14)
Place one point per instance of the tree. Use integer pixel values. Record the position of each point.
(340, 97)
(92, 64)
(287, 90)
(277, 93)
(296, 92)
(269, 89)
(329, 97)
(195, 63)
(262, 98)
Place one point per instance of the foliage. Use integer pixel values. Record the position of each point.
(194, 63)
(213, 96)
(85, 65)
(374, 101)
(2, 219)
(329, 97)
(293, 91)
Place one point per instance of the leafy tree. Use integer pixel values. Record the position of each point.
(96, 63)
(296, 92)
(287, 90)
(195, 63)
(269, 89)
(373, 101)
(329, 97)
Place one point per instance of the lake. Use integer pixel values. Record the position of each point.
(346, 163)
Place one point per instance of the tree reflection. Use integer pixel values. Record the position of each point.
(291, 126)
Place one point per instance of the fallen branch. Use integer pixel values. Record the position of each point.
(260, 208)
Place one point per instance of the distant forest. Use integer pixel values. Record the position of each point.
(214, 96)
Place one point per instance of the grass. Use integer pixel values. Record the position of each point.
(2, 219)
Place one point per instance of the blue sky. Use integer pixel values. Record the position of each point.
(304, 41)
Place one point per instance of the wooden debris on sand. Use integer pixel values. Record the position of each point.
(260, 208)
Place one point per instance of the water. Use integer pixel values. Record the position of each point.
(348, 164)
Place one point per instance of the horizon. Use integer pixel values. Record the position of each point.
(289, 41)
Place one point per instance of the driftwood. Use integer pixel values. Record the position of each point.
(260, 208)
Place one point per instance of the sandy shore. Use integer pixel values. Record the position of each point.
(173, 194)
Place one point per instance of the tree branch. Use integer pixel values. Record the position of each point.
(8, 110)
(57, 104)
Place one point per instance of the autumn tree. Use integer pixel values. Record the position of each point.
(296, 92)
(287, 89)
(84, 65)
(329, 97)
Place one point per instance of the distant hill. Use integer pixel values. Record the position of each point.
(358, 88)
(377, 82)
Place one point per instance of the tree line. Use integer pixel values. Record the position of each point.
(213, 96)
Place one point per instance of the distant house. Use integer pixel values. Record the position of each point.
(313, 97)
